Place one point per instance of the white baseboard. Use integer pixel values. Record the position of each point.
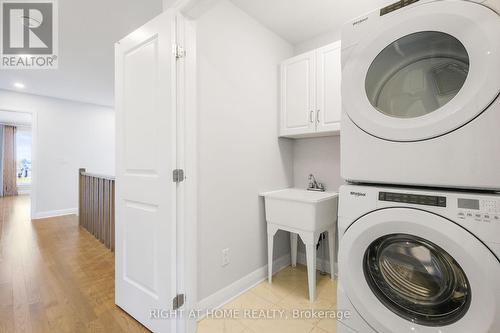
(54, 213)
(320, 263)
(237, 288)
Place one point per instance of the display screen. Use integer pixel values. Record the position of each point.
(415, 199)
(396, 6)
(468, 204)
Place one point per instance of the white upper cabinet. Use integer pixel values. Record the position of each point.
(298, 81)
(310, 93)
(328, 101)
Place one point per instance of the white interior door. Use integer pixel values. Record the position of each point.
(146, 157)
(329, 105)
(298, 81)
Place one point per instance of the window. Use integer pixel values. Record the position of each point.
(23, 156)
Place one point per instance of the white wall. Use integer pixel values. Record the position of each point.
(319, 156)
(15, 118)
(346, 11)
(318, 41)
(240, 154)
(68, 136)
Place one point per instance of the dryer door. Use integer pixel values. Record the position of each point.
(431, 69)
(408, 270)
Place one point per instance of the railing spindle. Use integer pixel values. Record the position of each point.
(96, 199)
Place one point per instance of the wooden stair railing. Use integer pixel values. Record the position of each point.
(96, 208)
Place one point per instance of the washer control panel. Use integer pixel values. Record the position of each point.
(414, 199)
(479, 210)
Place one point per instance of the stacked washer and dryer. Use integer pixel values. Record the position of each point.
(419, 222)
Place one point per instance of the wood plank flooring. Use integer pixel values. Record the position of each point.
(54, 276)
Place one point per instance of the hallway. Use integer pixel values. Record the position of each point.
(54, 276)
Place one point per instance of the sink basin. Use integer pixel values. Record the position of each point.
(301, 209)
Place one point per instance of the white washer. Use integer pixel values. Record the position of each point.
(420, 95)
(418, 261)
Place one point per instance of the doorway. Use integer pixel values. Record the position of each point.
(17, 154)
(24, 172)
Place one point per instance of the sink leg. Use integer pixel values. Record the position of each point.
(311, 266)
(293, 244)
(331, 246)
(271, 231)
(270, 244)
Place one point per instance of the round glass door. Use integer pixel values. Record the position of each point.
(417, 280)
(417, 74)
(428, 71)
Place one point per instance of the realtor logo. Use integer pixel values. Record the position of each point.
(28, 34)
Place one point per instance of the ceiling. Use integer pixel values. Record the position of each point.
(300, 20)
(87, 32)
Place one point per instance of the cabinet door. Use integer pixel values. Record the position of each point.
(298, 80)
(328, 88)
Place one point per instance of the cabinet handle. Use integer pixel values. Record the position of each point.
(311, 116)
(317, 116)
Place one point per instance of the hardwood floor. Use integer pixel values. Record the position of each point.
(54, 276)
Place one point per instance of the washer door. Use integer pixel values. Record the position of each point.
(433, 68)
(407, 270)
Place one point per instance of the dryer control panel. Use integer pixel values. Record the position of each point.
(479, 210)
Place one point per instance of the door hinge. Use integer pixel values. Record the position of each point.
(179, 51)
(178, 175)
(178, 301)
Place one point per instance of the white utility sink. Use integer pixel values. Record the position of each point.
(306, 214)
(301, 209)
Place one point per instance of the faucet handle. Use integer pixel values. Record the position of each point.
(314, 185)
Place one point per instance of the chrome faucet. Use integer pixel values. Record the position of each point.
(314, 185)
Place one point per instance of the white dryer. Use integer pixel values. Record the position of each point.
(420, 95)
(418, 261)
